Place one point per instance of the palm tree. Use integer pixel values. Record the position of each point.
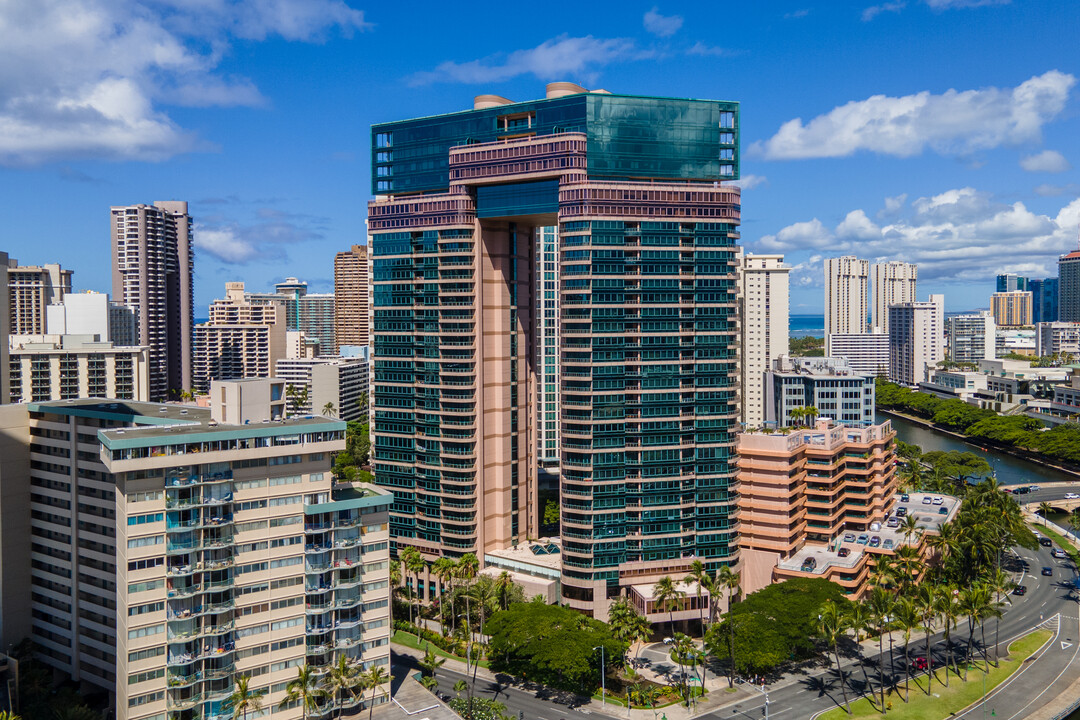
(881, 604)
(908, 617)
(682, 648)
(431, 662)
(339, 680)
(639, 631)
(861, 623)
(483, 593)
(412, 562)
(831, 625)
(698, 574)
(926, 600)
(910, 527)
(667, 597)
(373, 680)
(946, 608)
(443, 569)
(1001, 583)
(244, 700)
(459, 687)
(909, 562)
(1045, 509)
(503, 586)
(304, 688)
(1074, 521)
(429, 682)
(328, 409)
(362, 402)
(728, 579)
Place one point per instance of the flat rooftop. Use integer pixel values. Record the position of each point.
(545, 552)
(927, 514)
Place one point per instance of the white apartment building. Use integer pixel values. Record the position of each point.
(972, 337)
(63, 367)
(763, 305)
(893, 282)
(916, 339)
(846, 296)
(865, 352)
(31, 289)
(243, 338)
(334, 383)
(1053, 338)
(173, 553)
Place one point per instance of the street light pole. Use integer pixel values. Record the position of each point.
(603, 683)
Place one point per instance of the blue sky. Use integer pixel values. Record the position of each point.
(943, 132)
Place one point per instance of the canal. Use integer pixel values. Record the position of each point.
(1010, 470)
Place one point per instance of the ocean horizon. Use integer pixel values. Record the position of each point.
(806, 326)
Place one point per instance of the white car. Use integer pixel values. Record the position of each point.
(938, 501)
(1072, 496)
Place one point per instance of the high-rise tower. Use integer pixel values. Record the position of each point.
(1069, 287)
(351, 297)
(845, 296)
(152, 261)
(893, 282)
(648, 348)
(763, 301)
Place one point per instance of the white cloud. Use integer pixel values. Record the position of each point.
(92, 77)
(950, 123)
(701, 49)
(265, 240)
(1050, 161)
(748, 182)
(874, 10)
(1047, 190)
(660, 25)
(952, 4)
(960, 235)
(225, 245)
(892, 205)
(796, 14)
(552, 59)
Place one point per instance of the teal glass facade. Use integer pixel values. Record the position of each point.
(628, 137)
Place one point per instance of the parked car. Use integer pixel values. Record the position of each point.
(875, 541)
(1048, 571)
(863, 539)
(901, 512)
(809, 564)
(927, 500)
(905, 497)
(919, 663)
(938, 501)
(843, 552)
(1019, 590)
(943, 511)
(893, 522)
(1046, 542)
(1059, 553)
(888, 544)
(849, 537)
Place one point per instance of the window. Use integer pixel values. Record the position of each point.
(287, 500)
(145, 564)
(727, 119)
(286, 562)
(145, 586)
(291, 622)
(144, 676)
(143, 519)
(146, 654)
(145, 609)
(146, 541)
(384, 140)
(145, 631)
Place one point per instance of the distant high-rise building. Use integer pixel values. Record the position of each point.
(243, 338)
(892, 282)
(546, 268)
(916, 339)
(846, 298)
(1069, 287)
(5, 328)
(68, 367)
(763, 303)
(1012, 283)
(32, 288)
(351, 290)
(865, 352)
(1044, 300)
(1057, 338)
(152, 264)
(1011, 309)
(316, 312)
(972, 337)
(292, 290)
(334, 385)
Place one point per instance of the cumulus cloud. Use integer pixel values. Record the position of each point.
(874, 10)
(92, 78)
(960, 235)
(747, 182)
(892, 205)
(552, 59)
(264, 240)
(1050, 161)
(661, 25)
(953, 122)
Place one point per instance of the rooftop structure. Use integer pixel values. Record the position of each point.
(829, 385)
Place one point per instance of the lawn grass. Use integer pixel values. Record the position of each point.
(1062, 542)
(945, 701)
(409, 640)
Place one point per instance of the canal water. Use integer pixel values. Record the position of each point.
(1010, 470)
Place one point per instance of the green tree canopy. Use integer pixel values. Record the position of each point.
(956, 464)
(776, 624)
(552, 645)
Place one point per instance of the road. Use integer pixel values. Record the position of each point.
(1051, 601)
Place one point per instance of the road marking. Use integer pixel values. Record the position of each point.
(1065, 645)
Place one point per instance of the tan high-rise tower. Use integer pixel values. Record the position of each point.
(152, 265)
(351, 296)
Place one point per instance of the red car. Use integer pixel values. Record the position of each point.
(919, 664)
